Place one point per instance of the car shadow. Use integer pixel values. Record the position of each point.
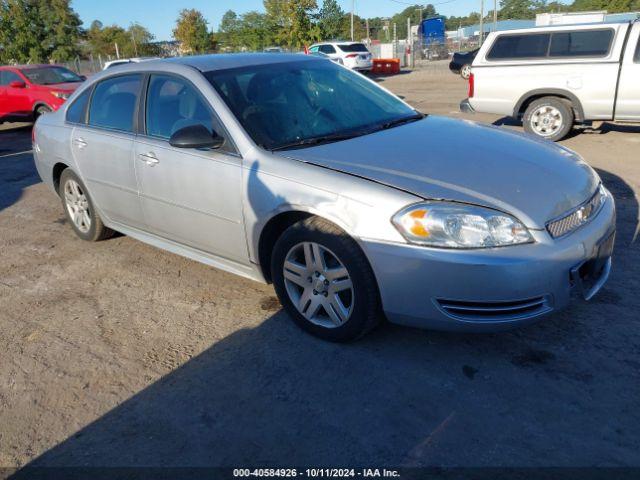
(17, 170)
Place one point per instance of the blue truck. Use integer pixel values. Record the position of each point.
(433, 38)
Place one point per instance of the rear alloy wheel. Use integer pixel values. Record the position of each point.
(79, 210)
(549, 117)
(324, 281)
(465, 72)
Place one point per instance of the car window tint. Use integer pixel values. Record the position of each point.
(6, 77)
(114, 103)
(76, 113)
(172, 104)
(520, 46)
(637, 56)
(327, 49)
(585, 43)
(353, 47)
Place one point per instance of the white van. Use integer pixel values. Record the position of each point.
(557, 76)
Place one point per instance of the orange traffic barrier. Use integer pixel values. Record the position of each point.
(386, 65)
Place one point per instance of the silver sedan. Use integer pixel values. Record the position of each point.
(296, 171)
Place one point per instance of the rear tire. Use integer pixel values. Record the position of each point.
(79, 209)
(549, 117)
(330, 290)
(465, 72)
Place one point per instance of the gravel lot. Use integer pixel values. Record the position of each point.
(117, 353)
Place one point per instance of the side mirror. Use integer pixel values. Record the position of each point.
(196, 136)
(17, 84)
(83, 77)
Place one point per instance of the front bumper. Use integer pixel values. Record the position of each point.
(465, 106)
(487, 290)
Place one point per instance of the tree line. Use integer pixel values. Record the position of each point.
(51, 31)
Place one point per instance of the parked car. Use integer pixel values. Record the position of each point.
(273, 50)
(353, 55)
(555, 77)
(28, 91)
(125, 61)
(337, 60)
(297, 171)
(461, 63)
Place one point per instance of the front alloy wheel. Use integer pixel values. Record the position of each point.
(318, 284)
(324, 281)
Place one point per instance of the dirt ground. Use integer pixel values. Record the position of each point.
(119, 354)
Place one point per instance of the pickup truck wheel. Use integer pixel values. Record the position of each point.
(549, 117)
(324, 281)
(465, 72)
(79, 209)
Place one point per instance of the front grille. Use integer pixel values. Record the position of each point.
(578, 216)
(495, 311)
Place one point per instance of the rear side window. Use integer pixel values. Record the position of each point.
(77, 112)
(353, 47)
(114, 103)
(327, 49)
(533, 45)
(585, 43)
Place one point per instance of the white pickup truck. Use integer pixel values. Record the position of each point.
(553, 78)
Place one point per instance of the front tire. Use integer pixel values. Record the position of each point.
(41, 110)
(79, 209)
(549, 117)
(325, 282)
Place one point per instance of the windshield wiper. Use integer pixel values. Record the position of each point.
(402, 121)
(305, 142)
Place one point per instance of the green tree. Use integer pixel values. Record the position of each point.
(519, 9)
(331, 19)
(254, 31)
(192, 32)
(293, 21)
(229, 29)
(60, 29)
(38, 31)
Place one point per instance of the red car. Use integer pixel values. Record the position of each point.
(29, 91)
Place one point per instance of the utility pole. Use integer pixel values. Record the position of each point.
(353, 7)
(495, 15)
(481, 21)
(117, 51)
(135, 46)
(368, 35)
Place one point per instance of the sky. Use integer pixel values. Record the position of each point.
(159, 15)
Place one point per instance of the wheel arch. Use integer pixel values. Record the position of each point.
(277, 224)
(58, 168)
(529, 97)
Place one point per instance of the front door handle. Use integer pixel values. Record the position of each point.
(149, 158)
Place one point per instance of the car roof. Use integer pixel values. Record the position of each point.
(568, 26)
(28, 67)
(225, 61)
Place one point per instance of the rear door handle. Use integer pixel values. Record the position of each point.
(80, 143)
(149, 158)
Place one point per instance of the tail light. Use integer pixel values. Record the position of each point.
(352, 55)
(471, 85)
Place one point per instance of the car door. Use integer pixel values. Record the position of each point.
(15, 101)
(190, 196)
(103, 149)
(628, 101)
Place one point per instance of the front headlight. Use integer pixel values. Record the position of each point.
(61, 95)
(452, 225)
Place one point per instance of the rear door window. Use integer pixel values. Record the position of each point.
(583, 43)
(508, 47)
(353, 47)
(114, 103)
(328, 49)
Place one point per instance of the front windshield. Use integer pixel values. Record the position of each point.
(50, 75)
(285, 104)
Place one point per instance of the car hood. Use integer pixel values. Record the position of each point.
(62, 87)
(459, 160)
